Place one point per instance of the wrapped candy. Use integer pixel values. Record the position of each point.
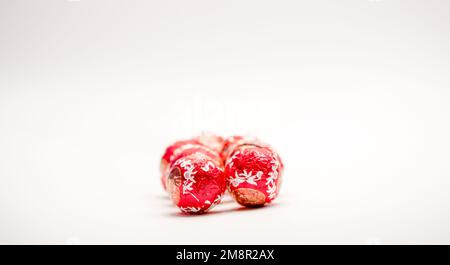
(210, 143)
(196, 182)
(194, 174)
(169, 156)
(253, 171)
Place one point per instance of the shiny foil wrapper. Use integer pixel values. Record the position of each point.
(197, 172)
(169, 155)
(253, 172)
(196, 182)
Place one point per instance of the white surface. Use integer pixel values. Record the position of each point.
(353, 94)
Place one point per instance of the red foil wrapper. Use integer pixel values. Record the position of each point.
(196, 182)
(169, 156)
(209, 143)
(253, 171)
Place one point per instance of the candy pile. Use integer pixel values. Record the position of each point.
(197, 172)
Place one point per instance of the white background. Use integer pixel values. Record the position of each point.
(353, 94)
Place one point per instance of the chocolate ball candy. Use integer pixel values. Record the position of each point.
(253, 174)
(196, 182)
(169, 155)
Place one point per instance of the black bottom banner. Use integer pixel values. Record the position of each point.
(223, 254)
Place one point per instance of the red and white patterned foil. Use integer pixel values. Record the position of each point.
(196, 182)
(197, 172)
(169, 155)
(253, 171)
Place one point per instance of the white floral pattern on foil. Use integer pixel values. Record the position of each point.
(246, 177)
(271, 180)
(216, 201)
(191, 209)
(188, 177)
(207, 166)
(230, 159)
